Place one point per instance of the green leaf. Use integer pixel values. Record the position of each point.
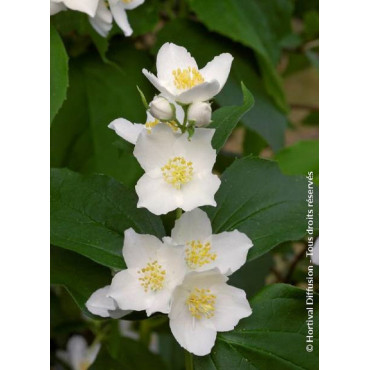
(90, 213)
(225, 119)
(145, 17)
(264, 118)
(300, 158)
(272, 338)
(259, 24)
(257, 199)
(79, 275)
(98, 94)
(58, 72)
(126, 354)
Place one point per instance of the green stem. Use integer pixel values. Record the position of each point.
(144, 332)
(188, 360)
(178, 213)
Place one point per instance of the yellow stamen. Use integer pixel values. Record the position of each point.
(201, 303)
(187, 78)
(178, 171)
(127, 1)
(152, 276)
(149, 125)
(198, 254)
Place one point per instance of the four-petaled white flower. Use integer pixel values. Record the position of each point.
(203, 305)
(85, 6)
(178, 171)
(102, 21)
(203, 251)
(78, 355)
(100, 304)
(179, 78)
(153, 271)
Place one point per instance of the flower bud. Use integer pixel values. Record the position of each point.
(162, 109)
(200, 113)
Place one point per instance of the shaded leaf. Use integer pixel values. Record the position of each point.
(225, 119)
(257, 199)
(90, 213)
(58, 72)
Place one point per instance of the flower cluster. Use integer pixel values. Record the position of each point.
(101, 12)
(183, 275)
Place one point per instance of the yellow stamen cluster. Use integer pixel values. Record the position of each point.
(198, 254)
(178, 171)
(152, 276)
(201, 303)
(149, 125)
(187, 78)
(127, 1)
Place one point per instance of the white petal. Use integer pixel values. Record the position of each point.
(200, 191)
(171, 57)
(192, 336)
(159, 85)
(102, 22)
(157, 196)
(204, 280)
(56, 7)
(231, 306)
(127, 291)
(194, 225)
(120, 17)
(160, 302)
(77, 348)
(127, 130)
(218, 69)
(231, 249)
(99, 303)
(198, 150)
(139, 249)
(202, 92)
(154, 150)
(86, 6)
(315, 253)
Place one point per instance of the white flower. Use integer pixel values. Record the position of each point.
(203, 305)
(178, 171)
(153, 271)
(100, 304)
(131, 131)
(180, 79)
(162, 109)
(102, 21)
(203, 251)
(200, 113)
(315, 253)
(85, 6)
(78, 355)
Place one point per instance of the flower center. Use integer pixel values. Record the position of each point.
(201, 303)
(149, 125)
(198, 254)
(127, 1)
(152, 276)
(178, 171)
(187, 78)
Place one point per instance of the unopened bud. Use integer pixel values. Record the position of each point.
(162, 109)
(200, 113)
